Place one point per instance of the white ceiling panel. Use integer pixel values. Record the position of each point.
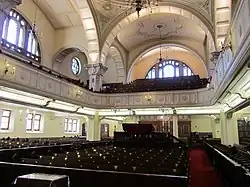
(60, 6)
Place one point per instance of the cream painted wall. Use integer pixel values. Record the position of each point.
(52, 123)
(71, 37)
(111, 74)
(201, 123)
(65, 66)
(206, 123)
(143, 65)
(28, 9)
(196, 46)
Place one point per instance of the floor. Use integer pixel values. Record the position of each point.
(202, 173)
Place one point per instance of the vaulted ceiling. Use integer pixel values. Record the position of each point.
(198, 21)
(61, 13)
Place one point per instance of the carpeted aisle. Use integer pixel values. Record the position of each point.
(202, 173)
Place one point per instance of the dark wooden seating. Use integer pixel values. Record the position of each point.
(166, 84)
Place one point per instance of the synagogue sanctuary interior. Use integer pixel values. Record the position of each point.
(125, 93)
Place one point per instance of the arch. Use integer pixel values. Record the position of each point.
(70, 49)
(160, 9)
(19, 36)
(118, 62)
(158, 70)
(157, 46)
(61, 56)
(63, 62)
(88, 22)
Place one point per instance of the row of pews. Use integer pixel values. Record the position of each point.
(232, 162)
(108, 163)
(165, 84)
(9, 143)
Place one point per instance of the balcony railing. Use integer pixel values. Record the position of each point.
(42, 81)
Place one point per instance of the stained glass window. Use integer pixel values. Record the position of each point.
(76, 66)
(19, 36)
(169, 68)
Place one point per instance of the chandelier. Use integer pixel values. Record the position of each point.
(141, 4)
(159, 26)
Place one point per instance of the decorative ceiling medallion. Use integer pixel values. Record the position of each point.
(160, 26)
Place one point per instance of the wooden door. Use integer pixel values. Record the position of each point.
(104, 130)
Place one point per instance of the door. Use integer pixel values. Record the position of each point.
(104, 130)
(83, 129)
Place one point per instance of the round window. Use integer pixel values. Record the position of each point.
(76, 66)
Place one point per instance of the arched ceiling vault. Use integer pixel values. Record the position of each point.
(70, 13)
(150, 57)
(186, 9)
(180, 42)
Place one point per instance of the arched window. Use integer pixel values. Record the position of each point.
(169, 68)
(19, 37)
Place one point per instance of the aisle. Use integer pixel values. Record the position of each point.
(201, 171)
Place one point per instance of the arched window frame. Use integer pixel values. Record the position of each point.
(162, 71)
(21, 44)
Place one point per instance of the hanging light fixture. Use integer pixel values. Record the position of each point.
(159, 26)
(34, 28)
(141, 4)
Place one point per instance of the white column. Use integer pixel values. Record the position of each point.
(94, 128)
(223, 128)
(119, 127)
(232, 129)
(96, 72)
(5, 7)
(175, 126)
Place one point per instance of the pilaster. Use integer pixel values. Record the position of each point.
(96, 72)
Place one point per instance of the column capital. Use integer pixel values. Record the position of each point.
(96, 72)
(215, 56)
(6, 5)
(96, 69)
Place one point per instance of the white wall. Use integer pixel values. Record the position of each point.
(28, 9)
(65, 66)
(111, 74)
(52, 123)
(71, 37)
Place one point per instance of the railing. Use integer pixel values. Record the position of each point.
(34, 80)
(9, 47)
(232, 57)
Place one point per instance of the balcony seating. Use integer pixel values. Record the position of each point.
(166, 84)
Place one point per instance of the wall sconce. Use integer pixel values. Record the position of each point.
(78, 93)
(148, 98)
(7, 69)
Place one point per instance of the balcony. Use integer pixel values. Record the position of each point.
(42, 82)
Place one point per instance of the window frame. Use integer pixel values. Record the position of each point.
(20, 45)
(69, 124)
(76, 62)
(8, 117)
(32, 121)
(161, 69)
